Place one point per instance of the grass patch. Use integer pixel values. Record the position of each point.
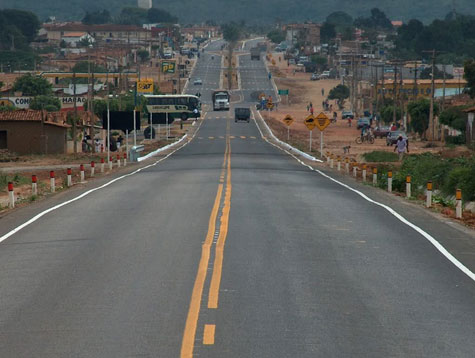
(16, 179)
(380, 156)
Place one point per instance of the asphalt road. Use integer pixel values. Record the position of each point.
(231, 248)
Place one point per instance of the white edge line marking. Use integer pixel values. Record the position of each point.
(43, 213)
(426, 235)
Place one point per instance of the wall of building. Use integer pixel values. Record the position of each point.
(24, 137)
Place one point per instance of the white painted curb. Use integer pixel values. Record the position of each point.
(159, 150)
(287, 145)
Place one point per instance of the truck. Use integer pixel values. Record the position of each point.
(255, 53)
(221, 100)
(242, 114)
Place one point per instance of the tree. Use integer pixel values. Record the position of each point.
(158, 15)
(419, 111)
(84, 66)
(143, 54)
(231, 32)
(339, 19)
(276, 36)
(426, 74)
(327, 32)
(97, 17)
(340, 93)
(469, 75)
(25, 21)
(132, 16)
(455, 118)
(320, 61)
(31, 85)
(387, 113)
(378, 19)
(48, 103)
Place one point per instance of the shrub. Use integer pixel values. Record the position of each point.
(380, 156)
(461, 178)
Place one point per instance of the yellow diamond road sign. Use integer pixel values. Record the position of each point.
(270, 105)
(322, 121)
(310, 122)
(288, 120)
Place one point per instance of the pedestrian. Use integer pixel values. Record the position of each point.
(311, 111)
(119, 142)
(335, 116)
(401, 146)
(323, 91)
(331, 107)
(311, 105)
(393, 127)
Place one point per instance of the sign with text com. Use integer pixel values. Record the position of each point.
(145, 86)
(168, 67)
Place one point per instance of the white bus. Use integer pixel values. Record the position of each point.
(181, 106)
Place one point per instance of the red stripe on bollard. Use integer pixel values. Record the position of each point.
(111, 159)
(34, 179)
(102, 160)
(51, 174)
(125, 155)
(69, 171)
(118, 156)
(10, 186)
(93, 164)
(81, 167)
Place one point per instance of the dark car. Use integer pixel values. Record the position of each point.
(362, 122)
(392, 137)
(347, 114)
(381, 132)
(242, 114)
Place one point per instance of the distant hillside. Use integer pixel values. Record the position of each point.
(252, 11)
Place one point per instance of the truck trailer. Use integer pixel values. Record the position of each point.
(221, 100)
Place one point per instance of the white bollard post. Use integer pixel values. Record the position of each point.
(364, 172)
(331, 163)
(52, 181)
(118, 160)
(34, 185)
(93, 169)
(375, 176)
(81, 168)
(458, 204)
(11, 195)
(69, 181)
(347, 166)
(125, 159)
(110, 163)
(338, 164)
(355, 171)
(429, 194)
(408, 186)
(390, 181)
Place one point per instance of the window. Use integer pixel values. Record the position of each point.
(3, 140)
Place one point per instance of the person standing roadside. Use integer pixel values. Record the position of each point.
(401, 146)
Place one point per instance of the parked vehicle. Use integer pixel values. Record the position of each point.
(362, 122)
(392, 137)
(255, 53)
(325, 74)
(314, 77)
(220, 100)
(381, 132)
(347, 114)
(242, 114)
(198, 82)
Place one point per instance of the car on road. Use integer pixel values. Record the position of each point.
(347, 114)
(198, 82)
(392, 137)
(381, 131)
(242, 114)
(314, 77)
(325, 74)
(362, 122)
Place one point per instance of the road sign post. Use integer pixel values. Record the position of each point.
(322, 122)
(310, 123)
(288, 120)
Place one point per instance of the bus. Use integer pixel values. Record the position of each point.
(181, 106)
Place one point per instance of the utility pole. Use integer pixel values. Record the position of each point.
(432, 89)
(75, 114)
(394, 93)
(414, 91)
(443, 93)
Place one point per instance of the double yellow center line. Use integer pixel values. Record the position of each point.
(189, 335)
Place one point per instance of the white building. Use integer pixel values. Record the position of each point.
(144, 4)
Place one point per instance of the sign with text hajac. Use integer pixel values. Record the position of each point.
(168, 66)
(145, 86)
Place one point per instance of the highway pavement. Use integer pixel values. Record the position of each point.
(231, 248)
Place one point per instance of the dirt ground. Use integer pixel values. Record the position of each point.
(303, 91)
